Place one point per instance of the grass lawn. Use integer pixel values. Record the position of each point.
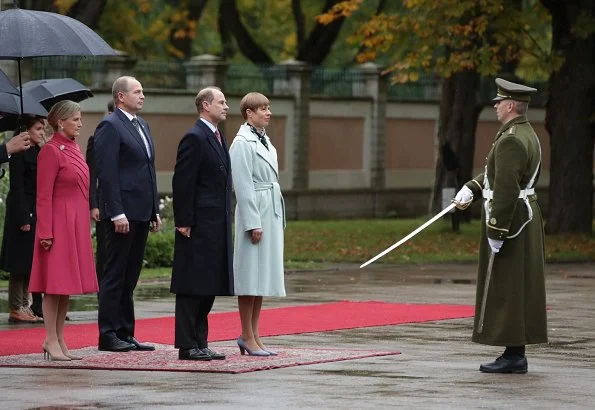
(317, 244)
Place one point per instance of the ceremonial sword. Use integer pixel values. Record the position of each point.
(486, 286)
(411, 235)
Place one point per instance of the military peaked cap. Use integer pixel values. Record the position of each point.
(512, 91)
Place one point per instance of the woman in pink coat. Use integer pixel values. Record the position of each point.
(63, 255)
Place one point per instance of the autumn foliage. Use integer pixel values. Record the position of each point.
(445, 37)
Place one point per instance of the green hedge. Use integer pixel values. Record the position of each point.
(160, 250)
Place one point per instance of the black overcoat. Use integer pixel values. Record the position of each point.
(202, 200)
(17, 246)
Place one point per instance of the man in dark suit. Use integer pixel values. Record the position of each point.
(124, 161)
(94, 200)
(202, 267)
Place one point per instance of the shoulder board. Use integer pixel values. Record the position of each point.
(512, 130)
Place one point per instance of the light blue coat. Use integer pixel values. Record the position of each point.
(258, 269)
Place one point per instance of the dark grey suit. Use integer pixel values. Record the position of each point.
(127, 181)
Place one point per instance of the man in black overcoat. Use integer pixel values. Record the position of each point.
(202, 267)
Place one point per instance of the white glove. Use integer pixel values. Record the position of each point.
(463, 198)
(495, 244)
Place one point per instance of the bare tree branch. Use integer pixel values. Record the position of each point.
(315, 49)
(87, 12)
(298, 16)
(228, 49)
(246, 44)
(195, 9)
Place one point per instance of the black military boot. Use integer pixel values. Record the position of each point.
(513, 360)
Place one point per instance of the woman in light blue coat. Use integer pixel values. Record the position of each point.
(259, 220)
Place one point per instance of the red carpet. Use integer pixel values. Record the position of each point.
(274, 322)
(165, 358)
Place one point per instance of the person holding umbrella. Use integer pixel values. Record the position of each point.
(18, 143)
(19, 224)
(62, 36)
(63, 253)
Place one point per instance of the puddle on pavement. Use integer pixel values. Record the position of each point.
(84, 303)
(366, 373)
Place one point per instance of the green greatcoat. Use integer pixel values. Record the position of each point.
(515, 312)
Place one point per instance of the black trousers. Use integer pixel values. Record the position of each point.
(122, 265)
(100, 251)
(192, 325)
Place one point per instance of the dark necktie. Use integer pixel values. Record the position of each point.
(142, 135)
(218, 137)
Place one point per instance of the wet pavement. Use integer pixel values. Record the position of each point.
(438, 367)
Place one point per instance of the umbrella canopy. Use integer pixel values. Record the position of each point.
(12, 122)
(28, 33)
(10, 104)
(50, 91)
(10, 110)
(6, 86)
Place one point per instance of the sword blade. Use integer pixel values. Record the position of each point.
(486, 287)
(411, 235)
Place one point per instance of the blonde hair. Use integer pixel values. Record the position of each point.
(252, 101)
(61, 111)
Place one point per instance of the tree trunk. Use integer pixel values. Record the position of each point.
(227, 47)
(195, 9)
(87, 12)
(248, 47)
(318, 44)
(570, 121)
(459, 112)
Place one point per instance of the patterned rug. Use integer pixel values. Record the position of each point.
(165, 358)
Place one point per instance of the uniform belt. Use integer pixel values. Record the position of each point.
(277, 197)
(523, 194)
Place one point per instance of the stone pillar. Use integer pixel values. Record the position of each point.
(205, 70)
(375, 86)
(298, 85)
(116, 67)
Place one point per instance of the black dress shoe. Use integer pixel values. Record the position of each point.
(137, 344)
(193, 354)
(506, 365)
(212, 354)
(110, 343)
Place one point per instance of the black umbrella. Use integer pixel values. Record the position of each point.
(11, 104)
(49, 92)
(11, 111)
(6, 86)
(28, 33)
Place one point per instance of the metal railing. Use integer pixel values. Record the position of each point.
(240, 79)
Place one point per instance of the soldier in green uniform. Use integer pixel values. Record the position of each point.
(510, 300)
